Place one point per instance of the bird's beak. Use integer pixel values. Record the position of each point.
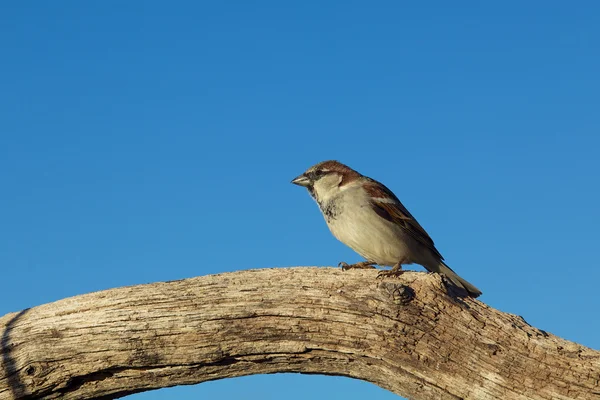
(301, 180)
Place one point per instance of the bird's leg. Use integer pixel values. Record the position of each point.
(359, 265)
(395, 271)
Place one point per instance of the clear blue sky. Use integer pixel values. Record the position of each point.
(146, 141)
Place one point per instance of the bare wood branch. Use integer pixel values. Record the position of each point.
(406, 335)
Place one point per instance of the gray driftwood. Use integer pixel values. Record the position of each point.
(407, 335)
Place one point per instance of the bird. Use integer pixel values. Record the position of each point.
(366, 216)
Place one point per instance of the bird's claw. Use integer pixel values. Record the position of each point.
(360, 265)
(389, 273)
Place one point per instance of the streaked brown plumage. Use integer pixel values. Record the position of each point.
(365, 215)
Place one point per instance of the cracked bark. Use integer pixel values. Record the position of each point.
(407, 335)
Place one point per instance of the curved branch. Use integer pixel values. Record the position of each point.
(407, 335)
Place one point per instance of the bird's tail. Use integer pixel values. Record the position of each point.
(445, 270)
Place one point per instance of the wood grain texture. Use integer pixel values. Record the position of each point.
(407, 335)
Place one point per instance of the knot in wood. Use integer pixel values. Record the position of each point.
(400, 294)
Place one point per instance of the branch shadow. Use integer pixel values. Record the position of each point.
(9, 364)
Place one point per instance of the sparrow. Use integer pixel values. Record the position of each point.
(367, 217)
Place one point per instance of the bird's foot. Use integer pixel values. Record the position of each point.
(359, 265)
(396, 271)
(390, 273)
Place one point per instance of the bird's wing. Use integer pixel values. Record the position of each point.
(387, 206)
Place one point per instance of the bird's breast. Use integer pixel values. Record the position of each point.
(331, 210)
(355, 224)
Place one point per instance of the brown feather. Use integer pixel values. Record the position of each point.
(396, 213)
(347, 173)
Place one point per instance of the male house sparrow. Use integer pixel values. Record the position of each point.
(366, 216)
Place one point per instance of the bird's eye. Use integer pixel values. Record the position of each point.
(318, 173)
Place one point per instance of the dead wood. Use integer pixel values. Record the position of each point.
(406, 334)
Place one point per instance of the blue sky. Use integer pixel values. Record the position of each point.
(146, 141)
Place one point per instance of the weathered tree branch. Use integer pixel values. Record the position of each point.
(407, 335)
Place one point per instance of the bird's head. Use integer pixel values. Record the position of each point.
(326, 179)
